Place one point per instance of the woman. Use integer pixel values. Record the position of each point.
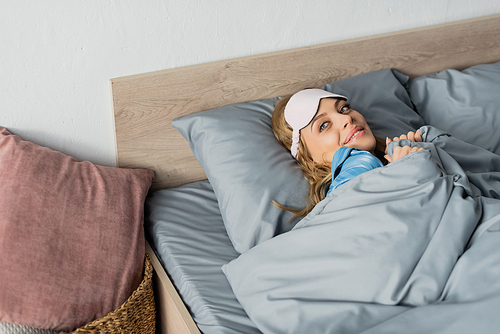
(326, 136)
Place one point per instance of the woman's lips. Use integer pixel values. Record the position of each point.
(353, 135)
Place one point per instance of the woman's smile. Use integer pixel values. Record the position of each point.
(354, 135)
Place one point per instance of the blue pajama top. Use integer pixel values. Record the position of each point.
(348, 162)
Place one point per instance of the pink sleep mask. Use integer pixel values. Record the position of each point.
(300, 110)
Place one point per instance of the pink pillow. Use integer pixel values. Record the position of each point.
(71, 236)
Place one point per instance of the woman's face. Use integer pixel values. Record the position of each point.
(336, 125)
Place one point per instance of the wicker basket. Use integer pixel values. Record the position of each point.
(136, 315)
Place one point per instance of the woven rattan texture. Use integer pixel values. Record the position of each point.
(136, 315)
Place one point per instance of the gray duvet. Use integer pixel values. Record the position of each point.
(412, 247)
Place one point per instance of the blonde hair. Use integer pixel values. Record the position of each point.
(318, 175)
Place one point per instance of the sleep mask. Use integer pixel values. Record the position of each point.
(300, 110)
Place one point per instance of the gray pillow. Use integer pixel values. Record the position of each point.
(465, 104)
(248, 168)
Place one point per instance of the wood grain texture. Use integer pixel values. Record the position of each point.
(172, 315)
(145, 104)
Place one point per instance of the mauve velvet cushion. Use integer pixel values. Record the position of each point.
(71, 236)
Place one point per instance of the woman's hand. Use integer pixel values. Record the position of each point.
(413, 136)
(400, 152)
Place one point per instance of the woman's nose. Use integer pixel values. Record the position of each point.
(347, 120)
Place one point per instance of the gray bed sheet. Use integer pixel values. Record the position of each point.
(185, 228)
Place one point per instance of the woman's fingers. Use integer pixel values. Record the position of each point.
(400, 152)
(418, 136)
(413, 136)
(387, 141)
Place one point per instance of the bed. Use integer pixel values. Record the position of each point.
(402, 66)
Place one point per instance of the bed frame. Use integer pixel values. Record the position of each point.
(145, 104)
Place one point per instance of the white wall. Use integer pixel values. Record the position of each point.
(57, 56)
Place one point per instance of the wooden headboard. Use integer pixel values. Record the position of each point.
(145, 104)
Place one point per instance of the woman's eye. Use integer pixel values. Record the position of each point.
(323, 126)
(345, 108)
